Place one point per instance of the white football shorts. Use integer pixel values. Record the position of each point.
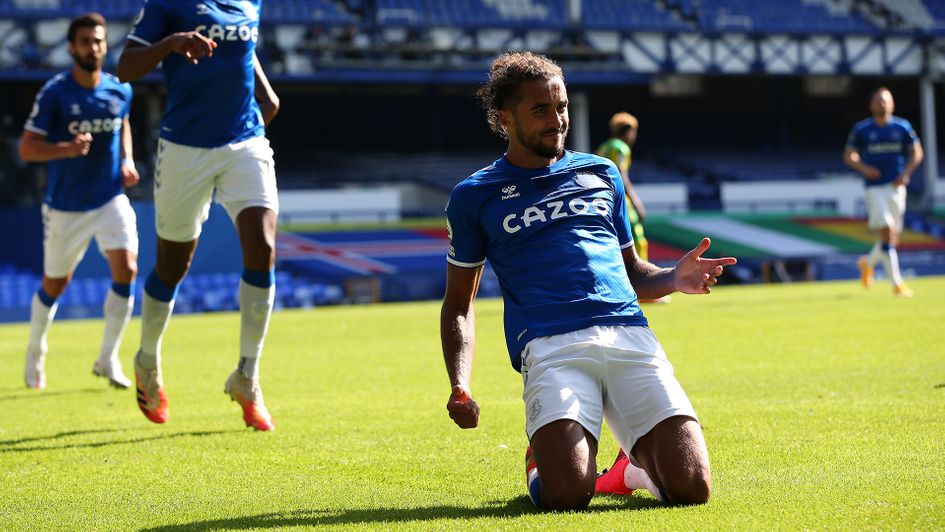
(619, 373)
(242, 174)
(886, 205)
(66, 234)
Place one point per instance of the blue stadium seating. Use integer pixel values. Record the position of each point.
(198, 293)
(749, 15)
(473, 13)
(735, 166)
(936, 8)
(40, 9)
(776, 16)
(277, 11)
(630, 14)
(306, 11)
(34, 27)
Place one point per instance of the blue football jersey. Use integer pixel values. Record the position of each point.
(554, 237)
(64, 109)
(884, 147)
(209, 104)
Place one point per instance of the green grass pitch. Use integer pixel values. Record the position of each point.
(823, 406)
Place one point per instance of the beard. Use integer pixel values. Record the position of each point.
(89, 63)
(537, 143)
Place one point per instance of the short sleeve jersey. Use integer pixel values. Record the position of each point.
(64, 109)
(554, 237)
(884, 147)
(212, 103)
(617, 151)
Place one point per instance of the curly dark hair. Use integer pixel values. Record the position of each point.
(503, 89)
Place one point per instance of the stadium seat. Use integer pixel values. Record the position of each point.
(51, 32)
(777, 16)
(630, 14)
(11, 45)
(290, 36)
(59, 57)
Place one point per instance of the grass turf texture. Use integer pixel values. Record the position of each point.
(823, 406)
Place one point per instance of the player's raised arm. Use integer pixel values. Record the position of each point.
(649, 280)
(693, 274)
(458, 337)
(137, 59)
(129, 174)
(34, 148)
(265, 95)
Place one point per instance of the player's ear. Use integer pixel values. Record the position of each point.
(505, 119)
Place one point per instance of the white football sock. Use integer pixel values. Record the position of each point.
(875, 254)
(255, 310)
(636, 478)
(155, 315)
(891, 262)
(41, 318)
(117, 311)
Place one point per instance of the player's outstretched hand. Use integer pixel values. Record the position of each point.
(80, 145)
(193, 46)
(696, 275)
(463, 410)
(129, 175)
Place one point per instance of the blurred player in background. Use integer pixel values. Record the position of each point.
(553, 225)
(79, 126)
(624, 128)
(619, 149)
(885, 150)
(212, 144)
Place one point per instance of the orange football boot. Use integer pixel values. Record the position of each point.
(151, 397)
(612, 480)
(866, 272)
(248, 394)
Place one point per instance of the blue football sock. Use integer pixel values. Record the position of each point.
(47, 299)
(158, 289)
(258, 278)
(124, 289)
(534, 491)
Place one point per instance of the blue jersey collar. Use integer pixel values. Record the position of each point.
(503, 164)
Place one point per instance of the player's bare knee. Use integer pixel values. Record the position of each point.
(259, 254)
(125, 273)
(567, 495)
(696, 491)
(693, 486)
(172, 273)
(263, 249)
(173, 260)
(55, 286)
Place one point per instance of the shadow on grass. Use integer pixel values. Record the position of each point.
(12, 394)
(65, 434)
(516, 507)
(9, 446)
